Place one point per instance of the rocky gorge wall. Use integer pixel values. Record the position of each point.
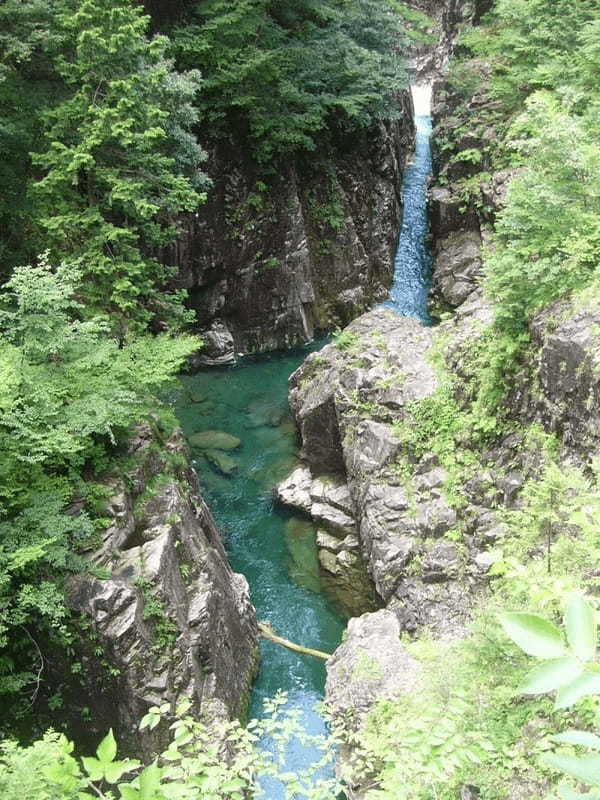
(269, 262)
(169, 616)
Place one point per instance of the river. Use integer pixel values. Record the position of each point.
(276, 550)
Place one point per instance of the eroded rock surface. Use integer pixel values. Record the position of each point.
(267, 267)
(360, 392)
(371, 665)
(171, 616)
(327, 500)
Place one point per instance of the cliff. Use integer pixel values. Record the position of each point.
(169, 616)
(271, 261)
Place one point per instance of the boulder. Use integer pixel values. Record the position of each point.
(295, 490)
(221, 461)
(370, 665)
(214, 440)
(457, 267)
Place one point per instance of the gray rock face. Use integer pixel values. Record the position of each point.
(360, 394)
(371, 665)
(172, 617)
(267, 268)
(328, 501)
(294, 491)
(457, 267)
(561, 387)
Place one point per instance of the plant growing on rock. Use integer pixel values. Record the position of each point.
(220, 761)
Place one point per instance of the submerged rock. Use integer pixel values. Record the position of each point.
(222, 462)
(215, 440)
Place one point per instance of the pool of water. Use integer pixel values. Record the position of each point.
(275, 550)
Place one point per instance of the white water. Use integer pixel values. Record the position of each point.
(412, 266)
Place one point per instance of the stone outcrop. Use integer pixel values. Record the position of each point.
(560, 385)
(172, 618)
(268, 267)
(327, 500)
(349, 403)
(371, 665)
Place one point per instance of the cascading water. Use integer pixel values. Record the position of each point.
(276, 551)
(412, 267)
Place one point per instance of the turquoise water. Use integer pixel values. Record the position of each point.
(276, 550)
(273, 549)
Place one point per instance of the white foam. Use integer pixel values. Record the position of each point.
(422, 99)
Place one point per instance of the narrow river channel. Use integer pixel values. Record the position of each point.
(274, 550)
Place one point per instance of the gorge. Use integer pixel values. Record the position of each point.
(386, 445)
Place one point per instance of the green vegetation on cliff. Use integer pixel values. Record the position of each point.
(106, 112)
(534, 67)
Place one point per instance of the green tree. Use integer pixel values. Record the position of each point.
(120, 166)
(284, 75)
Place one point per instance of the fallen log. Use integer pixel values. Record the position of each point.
(269, 634)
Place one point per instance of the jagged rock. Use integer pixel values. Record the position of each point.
(199, 638)
(333, 518)
(326, 541)
(215, 440)
(441, 562)
(458, 264)
(257, 272)
(218, 347)
(370, 665)
(333, 491)
(329, 562)
(562, 387)
(295, 490)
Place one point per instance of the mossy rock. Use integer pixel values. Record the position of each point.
(215, 440)
(222, 462)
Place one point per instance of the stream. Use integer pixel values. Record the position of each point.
(274, 549)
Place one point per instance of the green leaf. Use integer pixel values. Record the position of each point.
(583, 738)
(587, 684)
(116, 769)
(583, 768)
(129, 792)
(580, 624)
(551, 675)
(150, 781)
(566, 792)
(94, 768)
(107, 749)
(535, 635)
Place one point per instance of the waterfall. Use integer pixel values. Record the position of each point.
(412, 266)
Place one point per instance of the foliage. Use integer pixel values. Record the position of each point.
(347, 340)
(537, 62)
(569, 668)
(548, 237)
(463, 726)
(328, 66)
(68, 395)
(217, 762)
(114, 168)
